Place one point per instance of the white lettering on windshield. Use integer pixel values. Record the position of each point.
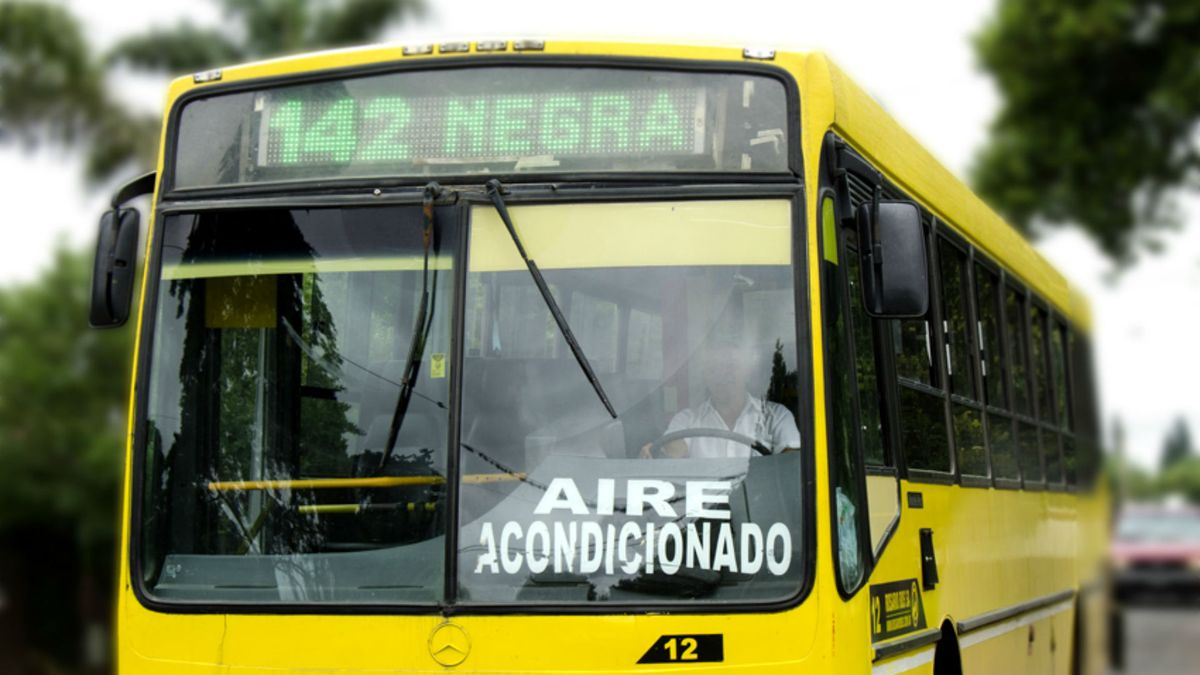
(635, 546)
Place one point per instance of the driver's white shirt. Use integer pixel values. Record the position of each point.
(768, 423)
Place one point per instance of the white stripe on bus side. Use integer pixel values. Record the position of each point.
(907, 663)
(1012, 624)
(904, 664)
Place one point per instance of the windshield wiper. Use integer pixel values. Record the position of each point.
(495, 190)
(416, 348)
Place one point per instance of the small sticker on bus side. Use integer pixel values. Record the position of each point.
(896, 609)
(437, 365)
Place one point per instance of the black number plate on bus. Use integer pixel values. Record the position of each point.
(686, 649)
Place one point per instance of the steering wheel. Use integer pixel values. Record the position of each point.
(656, 447)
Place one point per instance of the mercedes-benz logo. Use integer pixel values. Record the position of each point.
(449, 644)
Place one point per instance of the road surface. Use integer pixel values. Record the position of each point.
(1163, 640)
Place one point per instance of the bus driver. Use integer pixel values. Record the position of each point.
(729, 407)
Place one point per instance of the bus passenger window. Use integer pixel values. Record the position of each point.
(1083, 420)
(923, 435)
(1042, 395)
(1037, 356)
(1058, 350)
(991, 361)
(1014, 313)
(1062, 394)
(1016, 339)
(1030, 456)
(965, 409)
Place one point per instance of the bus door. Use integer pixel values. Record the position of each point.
(882, 571)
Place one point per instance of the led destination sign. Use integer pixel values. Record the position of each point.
(496, 127)
(486, 120)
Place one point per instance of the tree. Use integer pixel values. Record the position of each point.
(1100, 104)
(1178, 446)
(64, 393)
(1183, 478)
(64, 388)
(53, 88)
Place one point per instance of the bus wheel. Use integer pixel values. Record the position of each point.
(946, 660)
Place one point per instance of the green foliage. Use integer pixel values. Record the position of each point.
(48, 85)
(53, 87)
(182, 49)
(356, 21)
(1100, 102)
(64, 392)
(1183, 478)
(1179, 473)
(1178, 446)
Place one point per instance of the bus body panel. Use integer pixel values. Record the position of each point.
(766, 642)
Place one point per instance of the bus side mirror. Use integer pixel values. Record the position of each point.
(112, 273)
(895, 265)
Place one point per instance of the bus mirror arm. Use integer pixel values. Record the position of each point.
(116, 256)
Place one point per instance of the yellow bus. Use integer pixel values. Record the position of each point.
(534, 356)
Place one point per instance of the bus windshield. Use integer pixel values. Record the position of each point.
(281, 341)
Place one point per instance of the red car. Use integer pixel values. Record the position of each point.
(1157, 550)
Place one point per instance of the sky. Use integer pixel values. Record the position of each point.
(914, 57)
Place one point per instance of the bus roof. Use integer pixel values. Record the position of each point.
(846, 108)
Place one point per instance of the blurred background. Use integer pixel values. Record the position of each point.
(1078, 121)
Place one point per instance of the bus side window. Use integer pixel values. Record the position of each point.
(865, 490)
(1039, 354)
(922, 397)
(1062, 396)
(1083, 416)
(1016, 340)
(961, 373)
(993, 367)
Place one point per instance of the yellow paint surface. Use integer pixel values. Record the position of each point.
(557, 236)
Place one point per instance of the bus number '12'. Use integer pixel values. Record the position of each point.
(686, 649)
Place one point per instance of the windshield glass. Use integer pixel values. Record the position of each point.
(281, 340)
(686, 313)
(281, 343)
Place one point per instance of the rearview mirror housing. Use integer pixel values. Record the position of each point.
(895, 265)
(112, 272)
